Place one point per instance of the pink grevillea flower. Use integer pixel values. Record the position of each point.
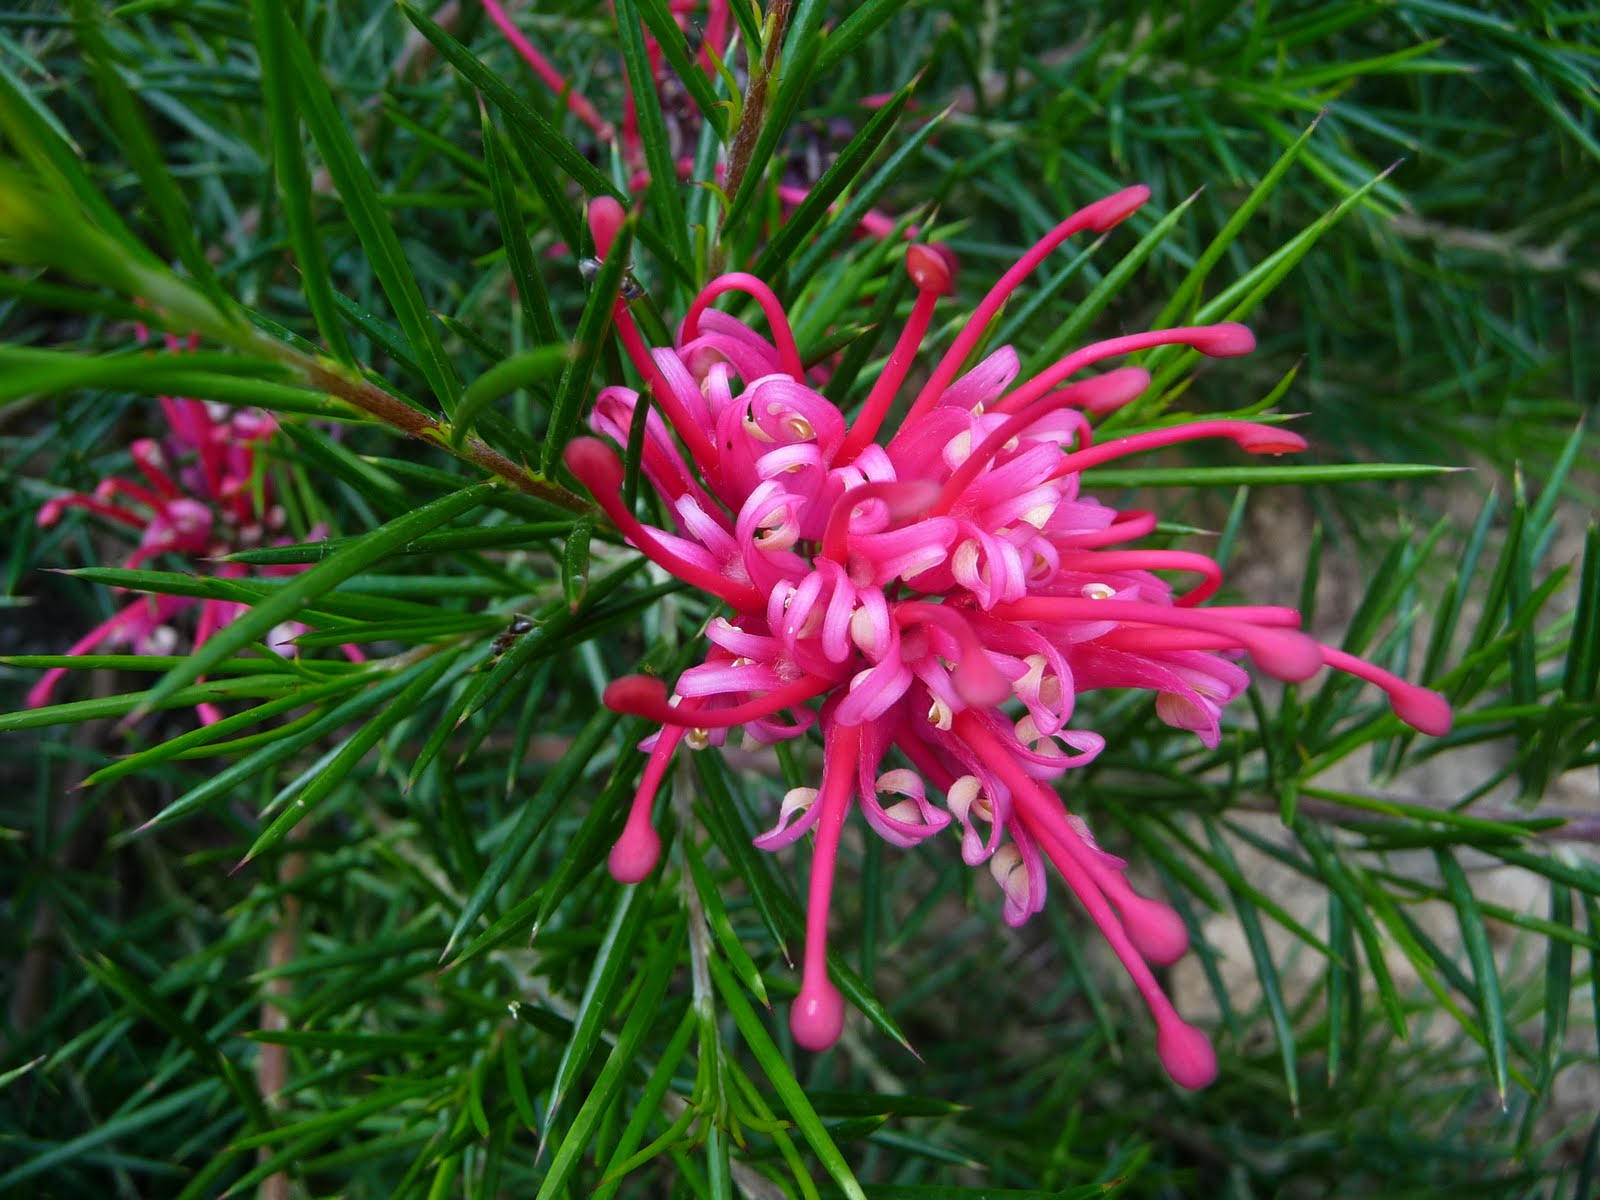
(201, 495)
(935, 598)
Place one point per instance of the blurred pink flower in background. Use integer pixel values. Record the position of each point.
(200, 495)
(944, 592)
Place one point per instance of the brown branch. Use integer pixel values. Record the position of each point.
(374, 401)
(754, 113)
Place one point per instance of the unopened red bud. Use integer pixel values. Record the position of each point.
(640, 695)
(932, 268)
(605, 218)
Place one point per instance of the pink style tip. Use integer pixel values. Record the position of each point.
(1423, 710)
(932, 269)
(1156, 931)
(1113, 210)
(979, 683)
(817, 1018)
(1268, 439)
(1227, 340)
(1187, 1055)
(1109, 392)
(635, 854)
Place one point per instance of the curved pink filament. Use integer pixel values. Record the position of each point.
(39, 694)
(1130, 526)
(145, 455)
(904, 499)
(876, 407)
(975, 677)
(1099, 216)
(50, 512)
(1418, 707)
(638, 847)
(1149, 641)
(1148, 924)
(1259, 614)
(213, 616)
(606, 216)
(701, 448)
(933, 280)
(771, 308)
(110, 489)
(1129, 380)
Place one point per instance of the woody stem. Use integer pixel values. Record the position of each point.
(755, 98)
(375, 402)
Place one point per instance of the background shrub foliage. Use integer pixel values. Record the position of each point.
(358, 938)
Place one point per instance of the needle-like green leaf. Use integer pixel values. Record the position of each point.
(1491, 1007)
(371, 222)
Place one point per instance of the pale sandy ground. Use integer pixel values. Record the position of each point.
(1266, 563)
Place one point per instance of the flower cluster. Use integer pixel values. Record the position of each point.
(201, 495)
(941, 595)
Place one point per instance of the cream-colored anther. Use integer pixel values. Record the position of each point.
(1006, 862)
(966, 800)
(1039, 514)
(796, 800)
